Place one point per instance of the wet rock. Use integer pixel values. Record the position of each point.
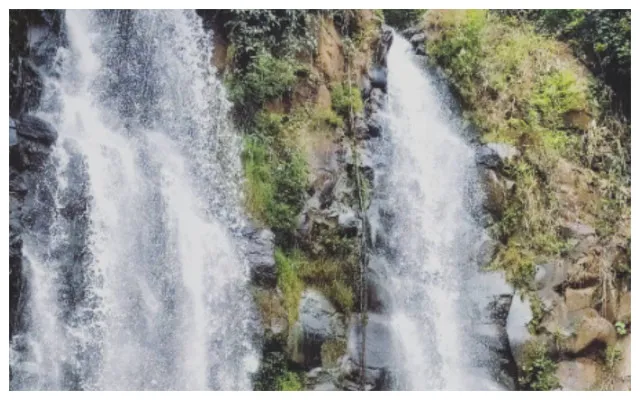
(13, 135)
(376, 101)
(488, 157)
(378, 296)
(349, 222)
(386, 38)
(517, 326)
(378, 76)
(505, 151)
(486, 251)
(420, 50)
(319, 379)
(377, 353)
(36, 129)
(495, 193)
(317, 323)
(494, 155)
(576, 230)
(417, 39)
(579, 374)
(260, 252)
(375, 123)
(411, 31)
(360, 128)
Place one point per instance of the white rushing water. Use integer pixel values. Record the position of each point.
(150, 292)
(427, 198)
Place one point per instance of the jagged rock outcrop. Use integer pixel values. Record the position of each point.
(260, 250)
(318, 323)
(377, 354)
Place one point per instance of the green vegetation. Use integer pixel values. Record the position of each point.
(600, 37)
(523, 88)
(346, 100)
(401, 19)
(538, 370)
(275, 171)
(621, 328)
(331, 352)
(296, 271)
(265, 78)
(275, 374)
(290, 284)
(290, 381)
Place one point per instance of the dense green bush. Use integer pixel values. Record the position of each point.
(276, 174)
(265, 78)
(290, 381)
(538, 370)
(345, 100)
(401, 19)
(601, 37)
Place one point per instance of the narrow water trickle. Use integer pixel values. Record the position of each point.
(425, 235)
(139, 281)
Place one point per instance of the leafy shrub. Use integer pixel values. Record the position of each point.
(290, 381)
(401, 19)
(296, 270)
(345, 100)
(621, 328)
(266, 78)
(600, 37)
(289, 283)
(538, 370)
(275, 172)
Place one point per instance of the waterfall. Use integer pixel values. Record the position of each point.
(139, 281)
(425, 234)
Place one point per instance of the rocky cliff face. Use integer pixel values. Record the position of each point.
(36, 36)
(567, 325)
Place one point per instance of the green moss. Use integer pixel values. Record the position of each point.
(345, 100)
(266, 78)
(328, 117)
(290, 381)
(276, 174)
(331, 351)
(289, 283)
(538, 371)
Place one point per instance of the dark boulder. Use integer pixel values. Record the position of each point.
(377, 353)
(488, 157)
(375, 123)
(13, 134)
(260, 249)
(411, 31)
(386, 39)
(33, 128)
(418, 39)
(378, 76)
(318, 322)
(377, 100)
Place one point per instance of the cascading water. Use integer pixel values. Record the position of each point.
(139, 282)
(425, 236)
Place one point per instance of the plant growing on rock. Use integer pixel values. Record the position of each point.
(621, 328)
(538, 371)
(346, 100)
